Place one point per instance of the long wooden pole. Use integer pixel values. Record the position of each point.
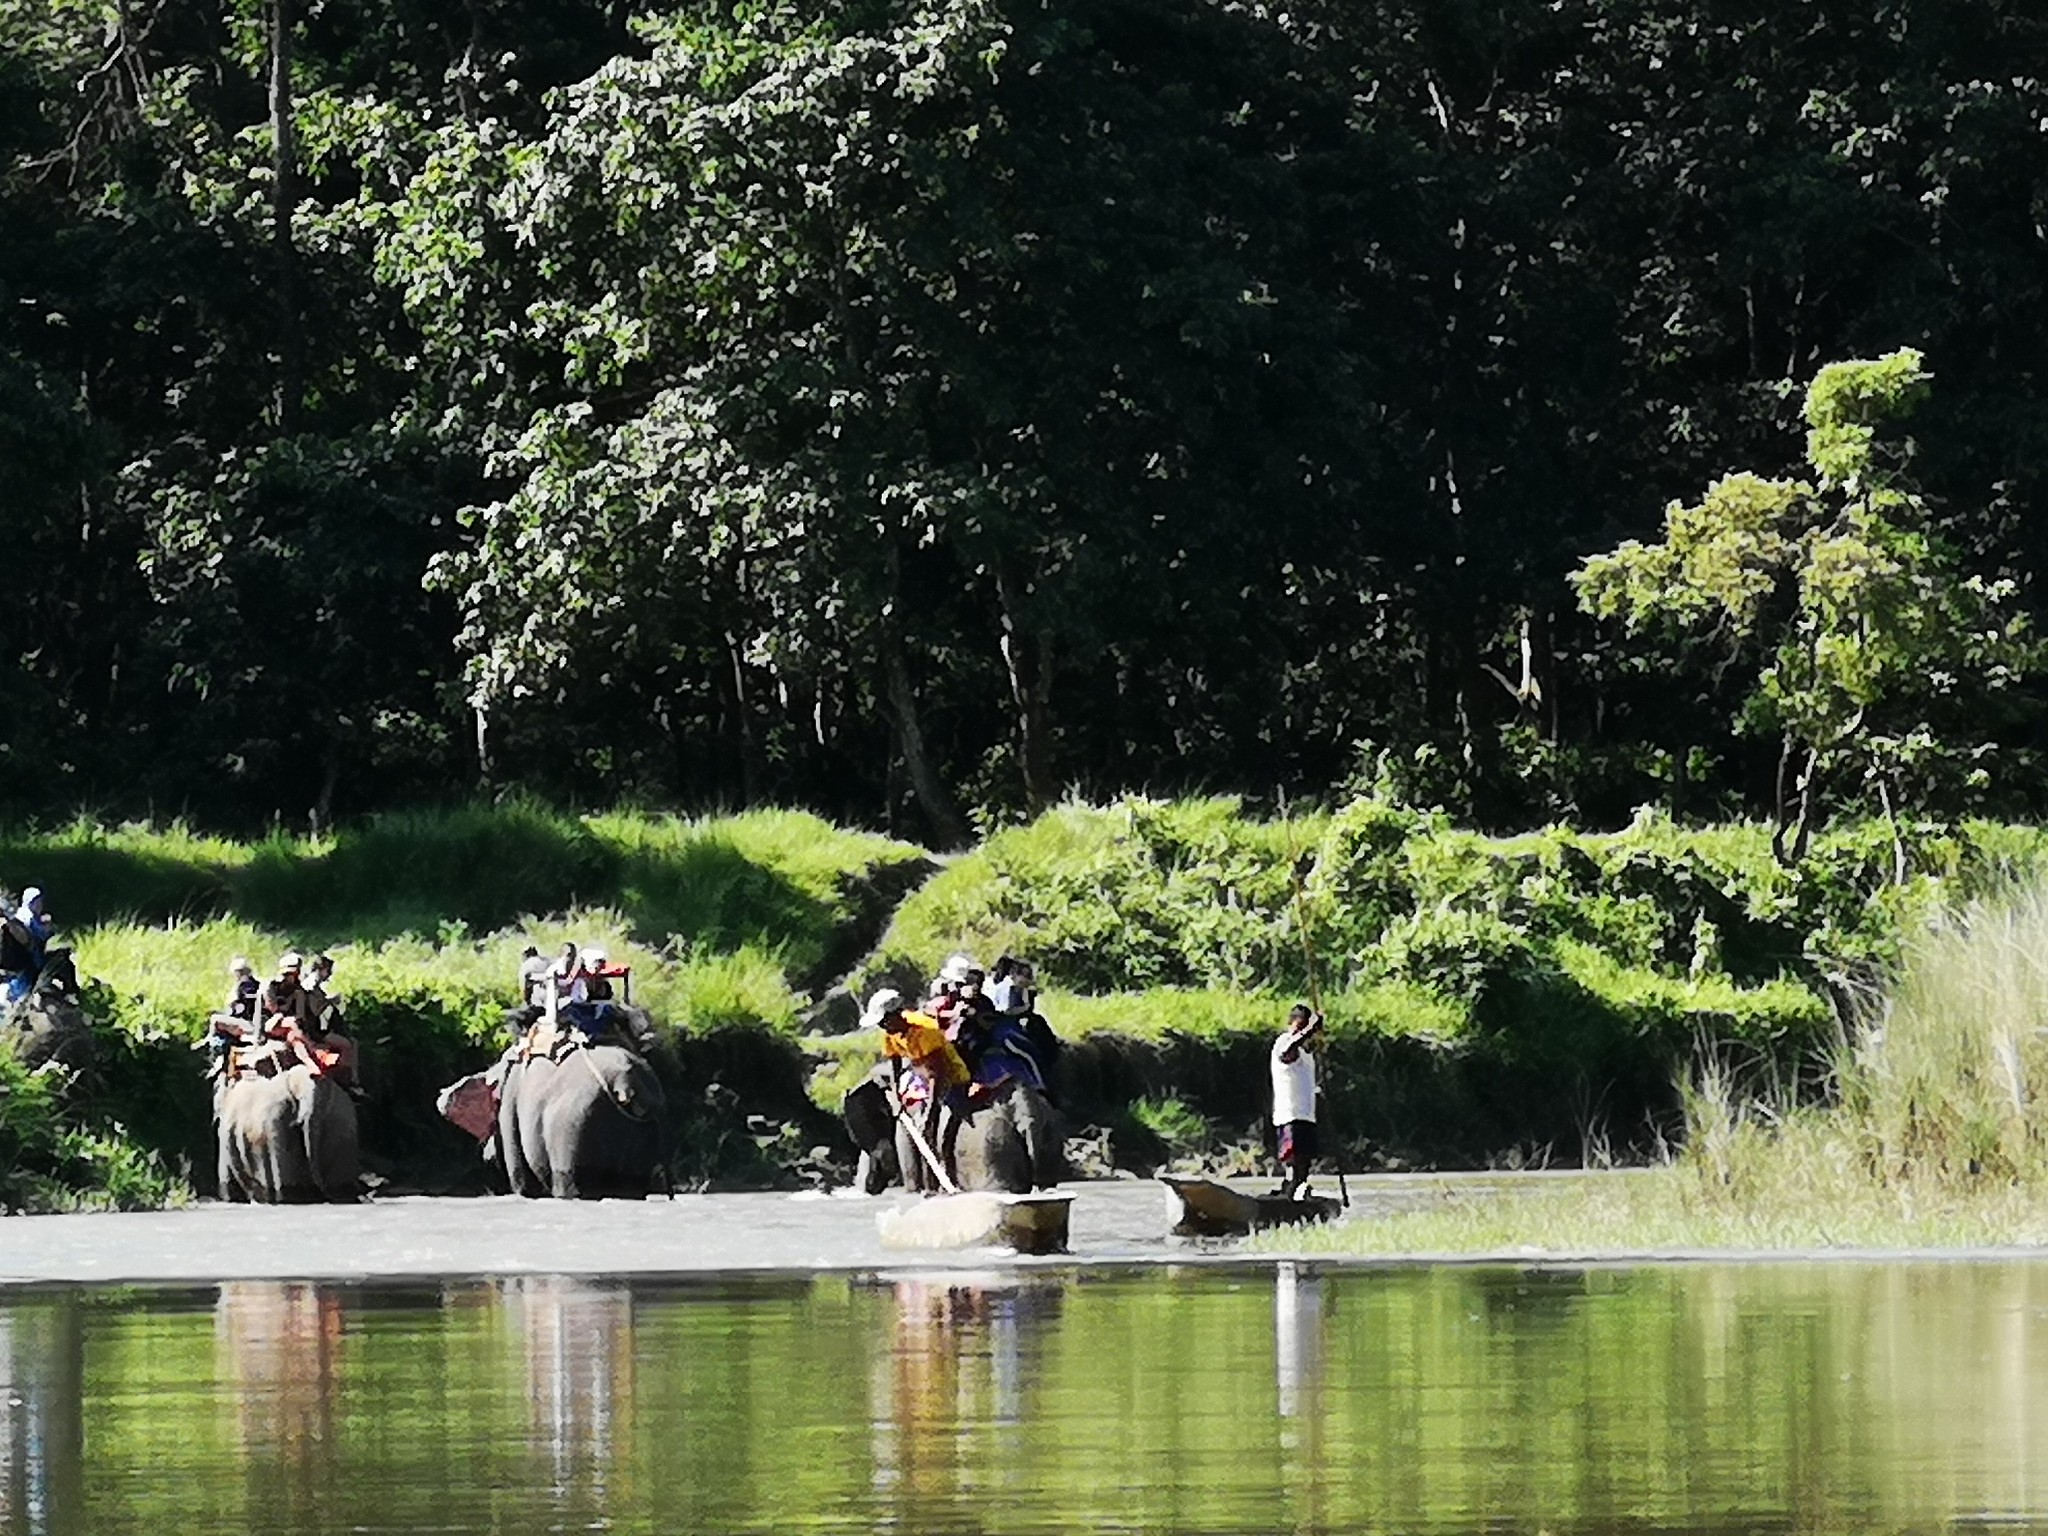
(1308, 952)
(908, 1121)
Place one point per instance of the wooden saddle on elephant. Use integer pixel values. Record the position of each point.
(332, 1056)
(608, 1024)
(262, 1058)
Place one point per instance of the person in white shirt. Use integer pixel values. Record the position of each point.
(1294, 1097)
(533, 975)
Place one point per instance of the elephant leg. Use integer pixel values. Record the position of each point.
(231, 1186)
(520, 1174)
(910, 1162)
(876, 1170)
(331, 1144)
(1045, 1141)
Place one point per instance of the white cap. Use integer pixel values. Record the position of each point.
(957, 967)
(880, 1006)
(290, 960)
(240, 966)
(593, 954)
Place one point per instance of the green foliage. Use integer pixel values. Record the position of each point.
(779, 880)
(1144, 893)
(60, 1151)
(725, 922)
(1858, 616)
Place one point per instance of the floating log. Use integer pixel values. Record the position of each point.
(1034, 1223)
(1205, 1208)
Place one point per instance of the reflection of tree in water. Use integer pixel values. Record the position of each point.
(954, 1372)
(42, 1376)
(578, 1343)
(279, 1347)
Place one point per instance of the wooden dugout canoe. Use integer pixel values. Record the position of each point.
(1034, 1223)
(1205, 1208)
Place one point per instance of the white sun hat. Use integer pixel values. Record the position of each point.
(880, 1006)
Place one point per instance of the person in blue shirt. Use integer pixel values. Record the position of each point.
(28, 943)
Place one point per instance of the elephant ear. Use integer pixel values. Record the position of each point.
(626, 1077)
(866, 1112)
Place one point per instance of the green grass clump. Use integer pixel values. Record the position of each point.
(59, 1150)
(778, 880)
(1141, 894)
(1935, 1134)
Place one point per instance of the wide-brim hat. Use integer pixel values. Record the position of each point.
(880, 1006)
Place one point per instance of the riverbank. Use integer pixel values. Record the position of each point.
(1521, 1001)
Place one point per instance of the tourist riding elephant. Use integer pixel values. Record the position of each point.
(587, 1126)
(285, 1140)
(1009, 1141)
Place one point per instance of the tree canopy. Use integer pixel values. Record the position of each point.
(918, 409)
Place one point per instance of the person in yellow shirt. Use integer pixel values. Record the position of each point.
(917, 1040)
(938, 1077)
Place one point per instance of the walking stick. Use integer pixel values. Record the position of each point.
(1308, 953)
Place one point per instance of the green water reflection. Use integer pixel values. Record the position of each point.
(1724, 1399)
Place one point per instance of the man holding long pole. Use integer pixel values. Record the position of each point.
(1294, 1097)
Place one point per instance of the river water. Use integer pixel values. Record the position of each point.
(1207, 1396)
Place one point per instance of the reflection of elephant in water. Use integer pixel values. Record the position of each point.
(1009, 1142)
(586, 1127)
(285, 1140)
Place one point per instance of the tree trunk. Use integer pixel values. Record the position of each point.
(284, 197)
(946, 820)
(1794, 805)
(1030, 674)
(743, 721)
(1781, 802)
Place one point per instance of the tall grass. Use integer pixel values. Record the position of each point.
(1935, 1134)
(1945, 1086)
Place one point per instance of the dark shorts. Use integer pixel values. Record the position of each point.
(1298, 1143)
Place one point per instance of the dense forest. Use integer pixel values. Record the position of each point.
(917, 408)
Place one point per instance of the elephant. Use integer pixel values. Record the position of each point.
(1010, 1141)
(587, 1125)
(49, 1027)
(289, 1139)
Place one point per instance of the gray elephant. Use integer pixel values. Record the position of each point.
(285, 1140)
(46, 1027)
(1010, 1141)
(586, 1126)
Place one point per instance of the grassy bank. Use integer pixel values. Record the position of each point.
(1534, 998)
(730, 924)
(1932, 1132)
(1492, 1000)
